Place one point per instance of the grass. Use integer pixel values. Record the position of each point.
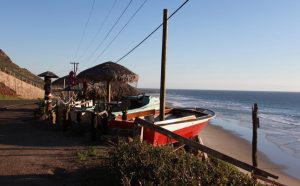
(4, 97)
(90, 152)
(142, 164)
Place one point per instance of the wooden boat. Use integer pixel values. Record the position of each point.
(186, 122)
(137, 103)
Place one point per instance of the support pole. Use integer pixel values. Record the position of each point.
(163, 66)
(93, 128)
(108, 91)
(255, 121)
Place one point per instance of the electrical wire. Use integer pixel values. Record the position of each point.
(151, 32)
(84, 30)
(117, 35)
(99, 30)
(109, 32)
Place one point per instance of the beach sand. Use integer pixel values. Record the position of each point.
(230, 144)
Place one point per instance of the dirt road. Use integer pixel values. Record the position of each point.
(36, 153)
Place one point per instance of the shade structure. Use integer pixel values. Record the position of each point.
(118, 90)
(48, 74)
(60, 82)
(108, 72)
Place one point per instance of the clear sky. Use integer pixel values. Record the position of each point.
(212, 44)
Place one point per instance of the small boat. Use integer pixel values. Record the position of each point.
(187, 122)
(138, 103)
(135, 104)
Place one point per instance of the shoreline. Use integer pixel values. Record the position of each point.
(229, 143)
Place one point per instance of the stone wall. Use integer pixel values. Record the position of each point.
(23, 89)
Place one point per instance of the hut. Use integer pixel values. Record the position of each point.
(60, 83)
(109, 75)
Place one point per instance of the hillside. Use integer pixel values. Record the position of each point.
(4, 90)
(8, 66)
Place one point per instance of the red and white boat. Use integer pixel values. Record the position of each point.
(187, 122)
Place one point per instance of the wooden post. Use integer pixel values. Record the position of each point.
(93, 126)
(108, 91)
(142, 134)
(255, 121)
(65, 119)
(163, 67)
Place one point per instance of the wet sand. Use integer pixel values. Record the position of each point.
(230, 144)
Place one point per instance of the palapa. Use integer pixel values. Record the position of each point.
(119, 90)
(108, 72)
(48, 74)
(60, 82)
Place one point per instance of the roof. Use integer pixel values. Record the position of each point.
(48, 74)
(108, 71)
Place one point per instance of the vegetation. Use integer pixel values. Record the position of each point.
(91, 152)
(5, 97)
(142, 164)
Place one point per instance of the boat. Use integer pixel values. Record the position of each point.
(187, 122)
(134, 104)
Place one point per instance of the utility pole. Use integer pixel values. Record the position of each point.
(75, 67)
(163, 67)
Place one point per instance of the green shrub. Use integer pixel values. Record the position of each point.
(90, 152)
(139, 163)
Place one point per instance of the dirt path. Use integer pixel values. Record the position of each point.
(36, 153)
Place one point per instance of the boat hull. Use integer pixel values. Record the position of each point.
(186, 126)
(186, 130)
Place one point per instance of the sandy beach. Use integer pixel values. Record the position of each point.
(230, 144)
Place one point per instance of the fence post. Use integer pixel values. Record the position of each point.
(255, 121)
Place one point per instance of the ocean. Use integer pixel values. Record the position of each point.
(279, 113)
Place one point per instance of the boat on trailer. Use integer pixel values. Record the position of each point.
(187, 122)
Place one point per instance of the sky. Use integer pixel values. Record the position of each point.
(212, 44)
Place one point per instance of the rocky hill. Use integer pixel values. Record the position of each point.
(8, 66)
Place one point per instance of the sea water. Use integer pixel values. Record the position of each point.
(279, 114)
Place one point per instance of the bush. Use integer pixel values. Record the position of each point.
(140, 163)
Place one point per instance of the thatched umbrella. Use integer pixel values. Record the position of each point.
(119, 90)
(48, 74)
(47, 79)
(108, 72)
(60, 82)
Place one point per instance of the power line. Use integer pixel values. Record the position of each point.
(109, 32)
(85, 27)
(151, 33)
(99, 29)
(117, 35)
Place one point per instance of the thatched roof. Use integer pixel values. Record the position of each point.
(48, 74)
(98, 90)
(108, 71)
(60, 81)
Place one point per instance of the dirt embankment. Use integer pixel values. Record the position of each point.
(4, 90)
